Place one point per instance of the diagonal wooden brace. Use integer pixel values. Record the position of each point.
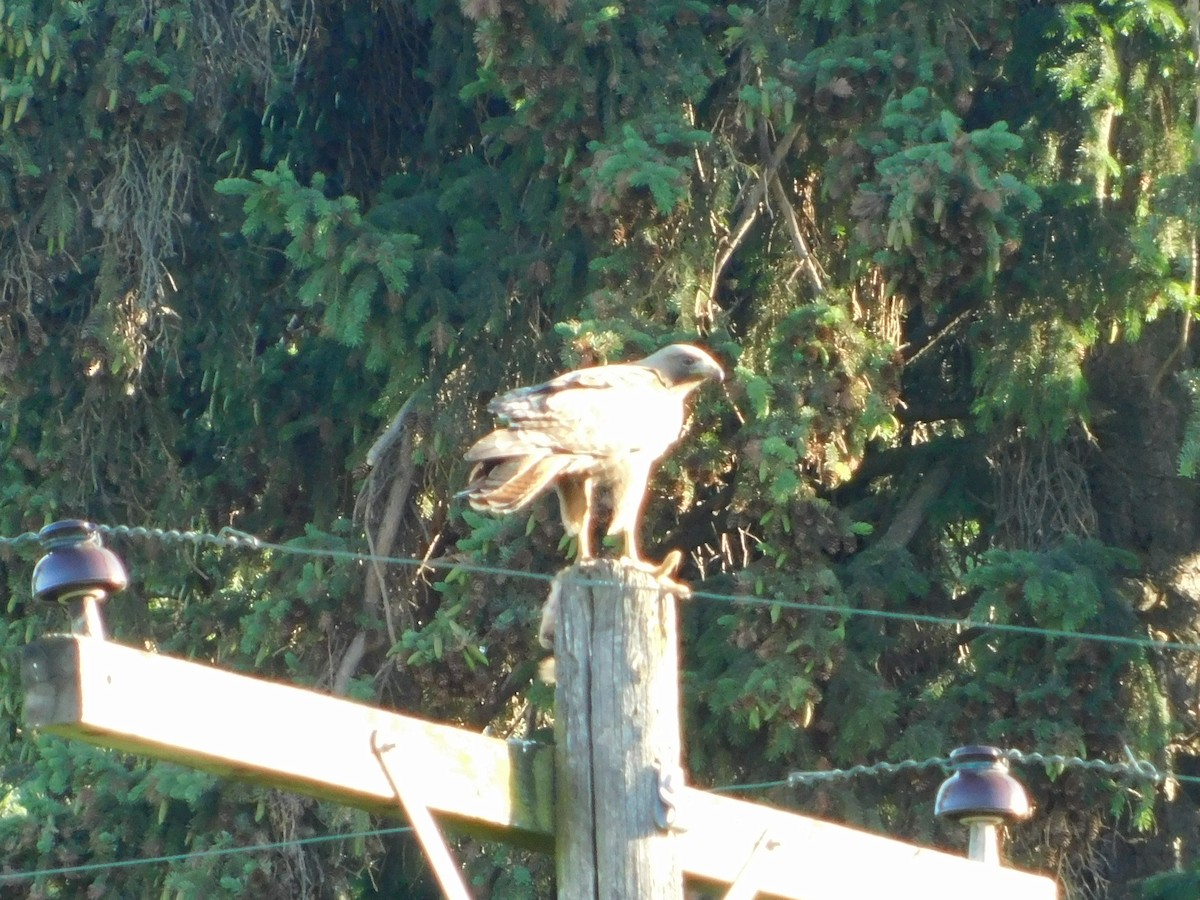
(445, 869)
(746, 885)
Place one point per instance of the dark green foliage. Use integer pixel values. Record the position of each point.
(237, 240)
(1189, 451)
(1170, 886)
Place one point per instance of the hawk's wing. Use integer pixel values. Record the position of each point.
(600, 413)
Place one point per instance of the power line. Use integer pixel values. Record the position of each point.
(1135, 769)
(29, 537)
(230, 538)
(235, 540)
(942, 763)
(13, 877)
(964, 623)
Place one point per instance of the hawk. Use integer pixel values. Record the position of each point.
(592, 430)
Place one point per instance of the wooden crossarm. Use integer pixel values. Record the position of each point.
(282, 736)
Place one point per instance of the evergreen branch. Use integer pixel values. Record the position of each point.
(1189, 449)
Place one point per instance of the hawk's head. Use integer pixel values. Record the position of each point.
(684, 364)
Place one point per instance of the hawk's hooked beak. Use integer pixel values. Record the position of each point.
(712, 370)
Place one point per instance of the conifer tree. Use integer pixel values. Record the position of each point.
(263, 264)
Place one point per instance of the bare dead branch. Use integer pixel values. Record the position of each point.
(750, 204)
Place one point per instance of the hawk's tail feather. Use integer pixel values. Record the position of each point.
(511, 484)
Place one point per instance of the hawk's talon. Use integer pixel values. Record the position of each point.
(663, 572)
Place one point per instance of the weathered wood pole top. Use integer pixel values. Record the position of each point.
(616, 724)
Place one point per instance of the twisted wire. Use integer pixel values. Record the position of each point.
(230, 538)
(859, 771)
(1135, 768)
(226, 537)
(29, 537)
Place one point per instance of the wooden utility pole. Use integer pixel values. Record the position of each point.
(616, 732)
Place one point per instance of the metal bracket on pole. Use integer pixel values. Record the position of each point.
(666, 807)
(745, 886)
(445, 869)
